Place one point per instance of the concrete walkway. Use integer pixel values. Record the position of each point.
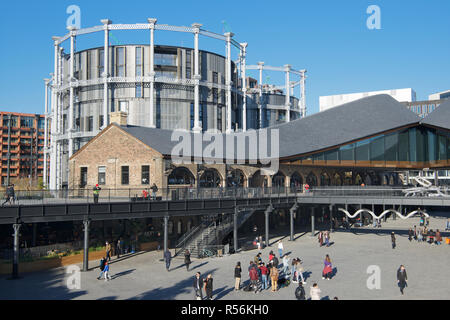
(144, 276)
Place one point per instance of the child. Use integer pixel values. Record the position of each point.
(106, 271)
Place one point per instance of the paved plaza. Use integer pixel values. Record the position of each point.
(144, 276)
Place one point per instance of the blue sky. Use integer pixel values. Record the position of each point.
(328, 38)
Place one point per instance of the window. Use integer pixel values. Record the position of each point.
(219, 118)
(88, 65)
(165, 59)
(192, 115)
(347, 152)
(83, 176)
(166, 74)
(26, 122)
(90, 123)
(100, 121)
(102, 175)
(101, 62)
(138, 90)
(188, 64)
(204, 116)
(123, 106)
(125, 175)
(139, 70)
(145, 175)
(120, 62)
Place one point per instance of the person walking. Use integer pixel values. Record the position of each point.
(9, 195)
(320, 238)
(419, 235)
(327, 269)
(167, 258)
(314, 292)
(253, 274)
(300, 292)
(108, 251)
(300, 270)
(438, 237)
(447, 226)
(102, 267)
(264, 276)
(274, 278)
(293, 270)
(237, 276)
(410, 234)
(286, 264)
(327, 238)
(280, 248)
(198, 286)
(154, 189)
(187, 259)
(209, 287)
(96, 192)
(271, 255)
(118, 249)
(106, 271)
(415, 233)
(402, 278)
(393, 240)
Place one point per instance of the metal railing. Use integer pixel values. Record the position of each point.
(33, 197)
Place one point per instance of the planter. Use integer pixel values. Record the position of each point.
(149, 246)
(47, 264)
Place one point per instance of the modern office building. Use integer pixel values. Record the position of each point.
(440, 95)
(401, 95)
(423, 108)
(158, 86)
(24, 135)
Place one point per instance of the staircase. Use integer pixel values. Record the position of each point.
(205, 235)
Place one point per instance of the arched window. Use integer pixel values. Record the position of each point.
(311, 179)
(337, 180)
(235, 178)
(179, 227)
(296, 181)
(278, 180)
(181, 175)
(324, 179)
(358, 180)
(210, 179)
(258, 180)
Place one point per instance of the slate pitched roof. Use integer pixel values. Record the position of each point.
(348, 122)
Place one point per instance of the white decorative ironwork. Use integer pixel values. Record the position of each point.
(409, 215)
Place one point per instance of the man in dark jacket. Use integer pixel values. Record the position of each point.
(167, 257)
(300, 292)
(198, 282)
(393, 240)
(402, 278)
(209, 287)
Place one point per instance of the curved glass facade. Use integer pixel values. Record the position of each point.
(410, 147)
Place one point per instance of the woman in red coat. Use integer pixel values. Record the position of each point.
(327, 269)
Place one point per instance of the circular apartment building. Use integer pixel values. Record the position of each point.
(167, 87)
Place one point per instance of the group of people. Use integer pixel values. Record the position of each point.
(203, 284)
(425, 235)
(324, 238)
(10, 196)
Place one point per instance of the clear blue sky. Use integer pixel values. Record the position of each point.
(328, 38)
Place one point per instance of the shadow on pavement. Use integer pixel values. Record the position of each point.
(182, 287)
